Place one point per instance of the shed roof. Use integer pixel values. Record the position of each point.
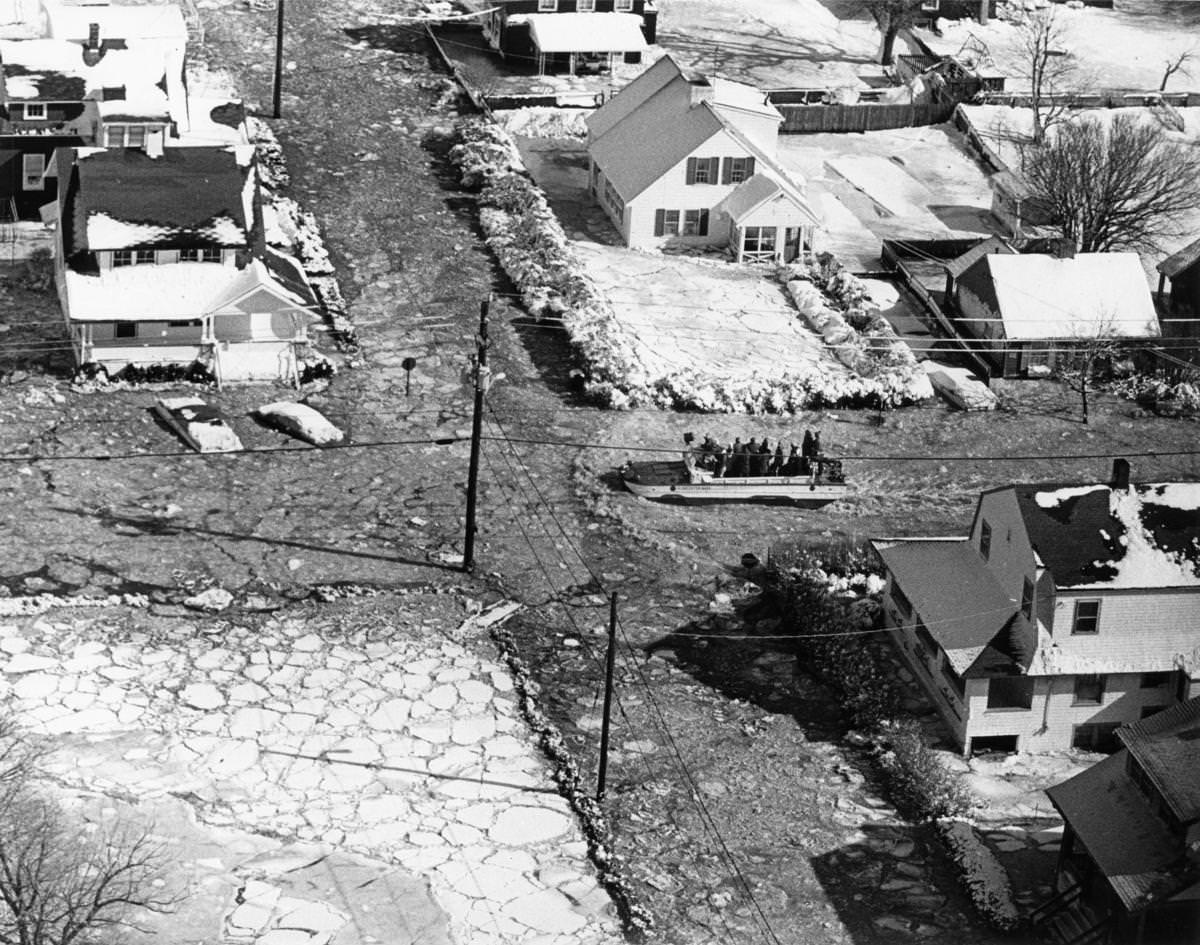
(1180, 261)
(993, 244)
(959, 600)
(584, 32)
(1114, 821)
(1167, 747)
(1044, 297)
(751, 194)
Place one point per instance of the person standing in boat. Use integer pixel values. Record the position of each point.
(792, 466)
(737, 466)
(777, 462)
(751, 457)
(722, 466)
(762, 462)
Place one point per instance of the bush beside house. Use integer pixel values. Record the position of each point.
(833, 604)
(523, 232)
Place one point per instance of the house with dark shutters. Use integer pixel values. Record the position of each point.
(1069, 610)
(570, 36)
(1129, 862)
(160, 259)
(678, 159)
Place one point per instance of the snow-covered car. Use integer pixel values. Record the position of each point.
(959, 387)
(199, 425)
(300, 421)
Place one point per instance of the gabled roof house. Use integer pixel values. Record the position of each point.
(1129, 862)
(680, 159)
(1067, 611)
(161, 260)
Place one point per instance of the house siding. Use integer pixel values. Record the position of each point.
(672, 192)
(1141, 629)
(1010, 557)
(514, 41)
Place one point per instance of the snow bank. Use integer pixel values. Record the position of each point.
(529, 242)
(545, 122)
(960, 387)
(302, 421)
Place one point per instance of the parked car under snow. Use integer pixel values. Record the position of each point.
(199, 424)
(301, 421)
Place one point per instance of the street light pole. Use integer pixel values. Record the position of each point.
(609, 666)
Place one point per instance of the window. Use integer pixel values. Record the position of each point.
(982, 744)
(736, 170)
(186, 323)
(125, 330)
(585, 6)
(985, 539)
(927, 640)
(144, 256)
(210, 255)
(695, 223)
(33, 166)
(702, 170)
(900, 599)
(1096, 736)
(1155, 680)
(136, 137)
(114, 136)
(547, 6)
(1089, 690)
(759, 239)
(666, 222)
(123, 257)
(35, 111)
(1027, 599)
(623, 6)
(189, 255)
(1010, 692)
(1087, 617)
(931, 6)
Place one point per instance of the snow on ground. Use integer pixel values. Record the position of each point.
(1013, 786)
(773, 44)
(907, 182)
(1125, 47)
(682, 314)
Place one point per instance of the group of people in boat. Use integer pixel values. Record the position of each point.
(753, 458)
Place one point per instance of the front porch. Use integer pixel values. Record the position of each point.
(770, 245)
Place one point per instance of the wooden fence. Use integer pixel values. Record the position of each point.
(812, 119)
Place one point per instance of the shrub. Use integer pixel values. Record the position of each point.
(36, 273)
(982, 875)
(918, 782)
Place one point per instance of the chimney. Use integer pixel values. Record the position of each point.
(92, 53)
(154, 143)
(1062, 248)
(700, 90)
(1120, 475)
(983, 12)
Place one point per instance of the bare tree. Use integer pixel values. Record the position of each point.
(1090, 351)
(892, 16)
(1047, 65)
(1116, 184)
(1177, 63)
(61, 884)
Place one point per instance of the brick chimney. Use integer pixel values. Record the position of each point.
(1120, 475)
(92, 53)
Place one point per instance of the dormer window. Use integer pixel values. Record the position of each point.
(623, 6)
(210, 255)
(985, 540)
(547, 6)
(585, 6)
(144, 257)
(35, 111)
(189, 255)
(122, 257)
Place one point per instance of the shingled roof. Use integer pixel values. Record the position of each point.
(1095, 536)
(187, 196)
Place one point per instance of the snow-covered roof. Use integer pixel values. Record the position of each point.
(730, 94)
(54, 70)
(584, 32)
(175, 291)
(1042, 297)
(213, 121)
(751, 194)
(68, 20)
(1098, 537)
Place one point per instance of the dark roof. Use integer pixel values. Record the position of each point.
(993, 244)
(289, 274)
(1167, 747)
(958, 599)
(1082, 542)
(1176, 263)
(51, 86)
(1128, 842)
(182, 193)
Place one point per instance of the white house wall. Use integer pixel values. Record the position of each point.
(672, 192)
(1139, 629)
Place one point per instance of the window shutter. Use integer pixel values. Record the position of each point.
(703, 228)
(714, 168)
(660, 218)
(727, 171)
(691, 171)
(749, 167)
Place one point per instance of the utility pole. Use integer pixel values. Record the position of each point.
(609, 663)
(278, 57)
(482, 378)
